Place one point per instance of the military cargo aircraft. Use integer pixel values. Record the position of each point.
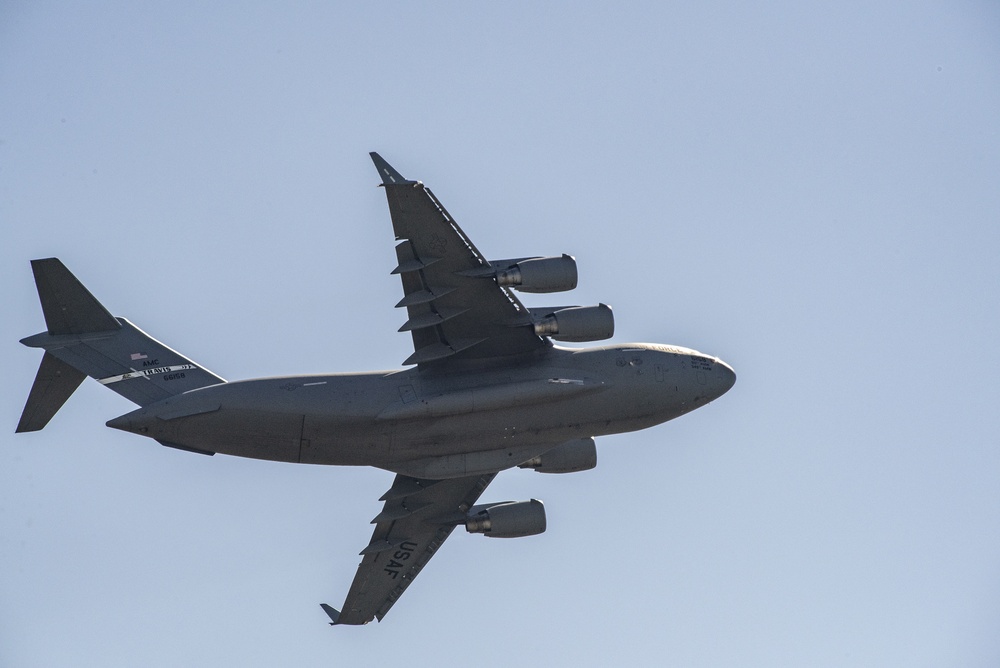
(486, 390)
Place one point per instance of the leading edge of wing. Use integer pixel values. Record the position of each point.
(418, 516)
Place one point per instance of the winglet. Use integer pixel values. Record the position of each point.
(332, 612)
(389, 175)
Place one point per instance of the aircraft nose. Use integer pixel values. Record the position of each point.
(724, 375)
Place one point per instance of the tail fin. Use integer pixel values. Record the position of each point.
(84, 339)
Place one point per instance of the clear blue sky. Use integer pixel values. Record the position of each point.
(808, 190)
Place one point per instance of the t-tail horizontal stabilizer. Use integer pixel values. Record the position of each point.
(333, 613)
(84, 339)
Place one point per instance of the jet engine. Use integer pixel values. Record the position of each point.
(508, 519)
(569, 457)
(537, 274)
(576, 323)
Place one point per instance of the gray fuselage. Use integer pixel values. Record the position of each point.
(473, 419)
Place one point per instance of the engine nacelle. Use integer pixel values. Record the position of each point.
(578, 323)
(537, 274)
(510, 519)
(570, 457)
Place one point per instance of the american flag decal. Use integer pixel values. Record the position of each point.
(138, 356)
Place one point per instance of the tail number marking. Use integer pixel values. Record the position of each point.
(171, 371)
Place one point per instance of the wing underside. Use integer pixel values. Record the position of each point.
(455, 308)
(418, 516)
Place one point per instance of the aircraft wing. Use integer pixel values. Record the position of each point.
(417, 518)
(455, 307)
